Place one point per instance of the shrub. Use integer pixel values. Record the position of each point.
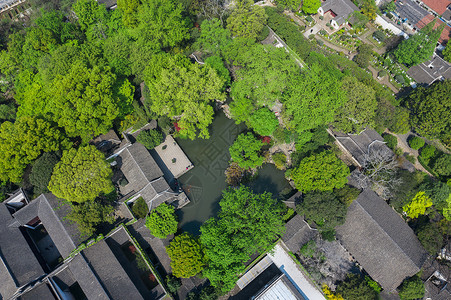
(288, 214)
(411, 288)
(140, 208)
(410, 157)
(321, 17)
(415, 142)
(309, 19)
(328, 235)
(263, 34)
(382, 73)
(390, 140)
(427, 152)
(279, 160)
(400, 79)
(173, 284)
(308, 249)
(379, 35)
(42, 172)
(234, 174)
(150, 138)
(430, 237)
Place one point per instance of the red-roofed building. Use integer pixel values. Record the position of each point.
(439, 6)
(446, 33)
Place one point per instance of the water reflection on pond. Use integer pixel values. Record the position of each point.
(206, 181)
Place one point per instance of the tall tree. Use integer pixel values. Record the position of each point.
(81, 175)
(162, 221)
(24, 141)
(187, 256)
(162, 23)
(323, 208)
(369, 9)
(246, 19)
(313, 99)
(129, 9)
(247, 223)
(245, 151)
(264, 121)
(431, 110)
(85, 101)
(213, 37)
(320, 172)
(186, 92)
(420, 46)
(265, 74)
(360, 109)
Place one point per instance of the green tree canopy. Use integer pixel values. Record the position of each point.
(263, 121)
(356, 288)
(311, 6)
(320, 172)
(162, 221)
(42, 172)
(150, 138)
(291, 4)
(359, 111)
(84, 102)
(187, 256)
(245, 151)
(418, 205)
(185, 92)
(246, 19)
(247, 223)
(129, 9)
(447, 53)
(24, 141)
(442, 165)
(430, 237)
(87, 12)
(411, 288)
(369, 9)
(323, 208)
(264, 75)
(81, 175)
(431, 110)
(418, 47)
(88, 215)
(213, 37)
(162, 23)
(313, 99)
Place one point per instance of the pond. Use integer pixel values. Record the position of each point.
(206, 181)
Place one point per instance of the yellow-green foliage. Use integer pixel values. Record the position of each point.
(418, 205)
(331, 295)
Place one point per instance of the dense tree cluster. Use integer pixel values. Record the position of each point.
(247, 223)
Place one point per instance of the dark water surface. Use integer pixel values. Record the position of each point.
(206, 181)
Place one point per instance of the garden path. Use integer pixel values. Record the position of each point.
(404, 146)
(384, 80)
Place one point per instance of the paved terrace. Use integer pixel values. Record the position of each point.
(169, 151)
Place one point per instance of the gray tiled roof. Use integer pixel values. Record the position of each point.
(297, 233)
(358, 145)
(15, 271)
(41, 291)
(381, 241)
(341, 8)
(52, 212)
(138, 167)
(431, 70)
(411, 11)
